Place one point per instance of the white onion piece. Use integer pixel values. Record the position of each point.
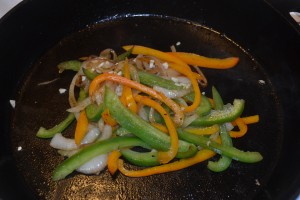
(72, 99)
(81, 105)
(100, 125)
(142, 113)
(91, 135)
(95, 165)
(188, 120)
(106, 133)
(151, 115)
(60, 142)
(173, 94)
(229, 126)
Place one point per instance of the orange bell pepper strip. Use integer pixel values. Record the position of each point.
(108, 119)
(81, 127)
(127, 97)
(112, 162)
(191, 76)
(251, 119)
(243, 128)
(201, 155)
(163, 157)
(178, 117)
(242, 124)
(215, 63)
(136, 49)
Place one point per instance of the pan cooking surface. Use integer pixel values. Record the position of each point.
(42, 105)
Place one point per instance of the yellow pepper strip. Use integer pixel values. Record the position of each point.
(178, 114)
(215, 63)
(163, 157)
(112, 162)
(203, 130)
(156, 53)
(81, 127)
(160, 127)
(108, 119)
(243, 129)
(190, 75)
(201, 155)
(127, 96)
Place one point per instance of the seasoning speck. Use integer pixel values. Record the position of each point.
(19, 148)
(178, 43)
(62, 90)
(12, 103)
(203, 93)
(257, 182)
(262, 82)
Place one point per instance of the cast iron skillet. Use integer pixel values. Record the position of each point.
(37, 35)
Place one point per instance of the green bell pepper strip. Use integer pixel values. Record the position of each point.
(142, 159)
(49, 133)
(73, 65)
(94, 111)
(124, 55)
(204, 108)
(89, 74)
(232, 152)
(227, 114)
(121, 131)
(137, 126)
(153, 80)
(224, 162)
(91, 151)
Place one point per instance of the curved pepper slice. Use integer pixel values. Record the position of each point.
(215, 63)
(227, 114)
(201, 155)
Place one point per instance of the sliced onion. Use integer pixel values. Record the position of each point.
(134, 73)
(81, 105)
(106, 133)
(188, 120)
(72, 99)
(229, 126)
(173, 94)
(91, 136)
(142, 113)
(60, 142)
(151, 115)
(108, 53)
(95, 165)
(203, 81)
(100, 125)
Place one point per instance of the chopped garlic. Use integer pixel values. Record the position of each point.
(203, 93)
(151, 64)
(12, 103)
(178, 43)
(83, 78)
(165, 65)
(19, 148)
(257, 182)
(62, 90)
(262, 82)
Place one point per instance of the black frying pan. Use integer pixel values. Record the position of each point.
(37, 35)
